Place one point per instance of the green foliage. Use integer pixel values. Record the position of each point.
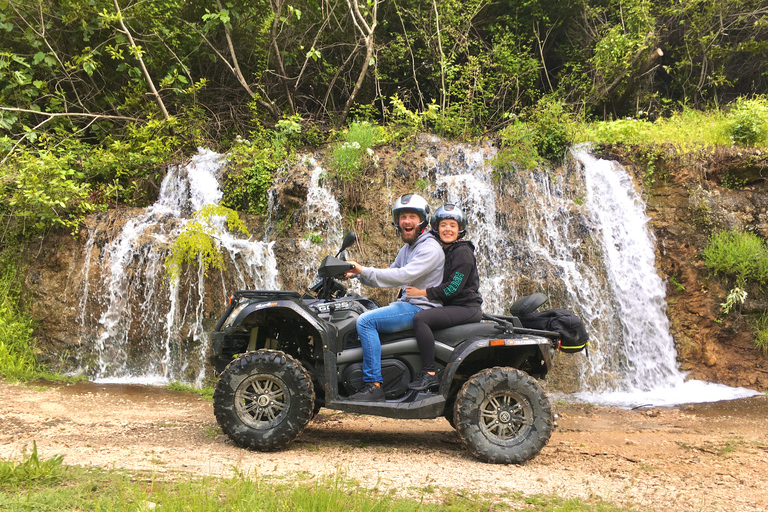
(748, 121)
(255, 162)
(733, 182)
(31, 471)
(738, 254)
(408, 122)
(314, 237)
(44, 191)
(517, 149)
(354, 155)
(17, 357)
(197, 242)
(546, 134)
(552, 129)
(761, 333)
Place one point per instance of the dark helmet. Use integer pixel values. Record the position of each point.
(411, 203)
(449, 211)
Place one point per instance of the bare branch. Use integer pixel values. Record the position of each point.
(144, 70)
(367, 33)
(67, 114)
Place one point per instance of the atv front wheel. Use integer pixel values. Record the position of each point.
(263, 400)
(503, 416)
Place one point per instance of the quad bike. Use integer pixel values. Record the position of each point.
(281, 356)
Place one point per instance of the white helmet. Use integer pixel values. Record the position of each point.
(449, 211)
(411, 203)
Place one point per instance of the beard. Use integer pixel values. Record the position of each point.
(411, 237)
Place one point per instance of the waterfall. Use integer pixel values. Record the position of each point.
(578, 234)
(580, 237)
(651, 373)
(135, 300)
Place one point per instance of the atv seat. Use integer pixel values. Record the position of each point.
(451, 336)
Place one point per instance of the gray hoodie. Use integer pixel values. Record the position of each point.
(419, 264)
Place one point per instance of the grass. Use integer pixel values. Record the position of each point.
(205, 392)
(18, 361)
(43, 485)
(686, 130)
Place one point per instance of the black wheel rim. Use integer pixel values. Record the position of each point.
(505, 416)
(262, 401)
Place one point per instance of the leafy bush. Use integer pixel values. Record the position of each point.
(749, 121)
(17, 358)
(351, 157)
(739, 254)
(517, 148)
(553, 132)
(198, 240)
(41, 192)
(255, 163)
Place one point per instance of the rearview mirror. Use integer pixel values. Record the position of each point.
(349, 239)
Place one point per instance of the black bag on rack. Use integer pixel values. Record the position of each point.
(573, 335)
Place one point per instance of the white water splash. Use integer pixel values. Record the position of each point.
(651, 374)
(138, 301)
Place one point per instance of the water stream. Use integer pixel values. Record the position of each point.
(580, 236)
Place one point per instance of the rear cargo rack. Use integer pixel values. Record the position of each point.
(513, 324)
(266, 294)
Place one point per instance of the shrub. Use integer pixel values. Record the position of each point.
(517, 148)
(748, 121)
(738, 254)
(17, 358)
(352, 156)
(552, 127)
(255, 162)
(197, 240)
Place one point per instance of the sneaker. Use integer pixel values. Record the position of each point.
(370, 392)
(424, 381)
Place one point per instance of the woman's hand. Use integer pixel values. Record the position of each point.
(410, 291)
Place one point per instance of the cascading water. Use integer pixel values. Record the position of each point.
(651, 373)
(579, 236)
(135, 299)
(591, 250)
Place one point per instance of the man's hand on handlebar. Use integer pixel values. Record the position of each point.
(355, 270)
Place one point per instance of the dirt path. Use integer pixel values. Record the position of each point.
(710, 457)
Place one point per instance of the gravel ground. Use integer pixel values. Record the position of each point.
(709, 457)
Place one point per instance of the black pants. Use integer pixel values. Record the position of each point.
(427, 320)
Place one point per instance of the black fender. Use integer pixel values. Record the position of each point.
(325, 329)
(508, 340)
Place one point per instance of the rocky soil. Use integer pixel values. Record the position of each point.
(708, 457)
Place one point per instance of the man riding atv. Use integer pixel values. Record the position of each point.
(420, 264)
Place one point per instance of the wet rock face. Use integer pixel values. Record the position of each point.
(685, 209)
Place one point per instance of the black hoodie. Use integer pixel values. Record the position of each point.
(460, 278)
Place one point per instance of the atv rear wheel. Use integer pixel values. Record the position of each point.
(503, 416)
(263, 400)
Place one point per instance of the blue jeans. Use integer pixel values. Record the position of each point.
(398, 316)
